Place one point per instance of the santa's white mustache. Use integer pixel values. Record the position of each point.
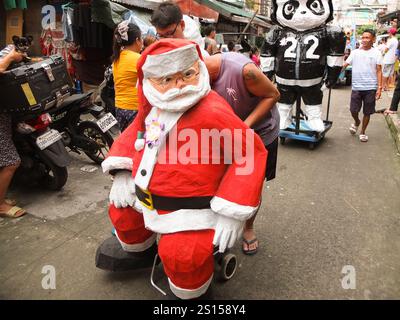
(178, 93)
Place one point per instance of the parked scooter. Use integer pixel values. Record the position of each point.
(79, 133)
(44, 158)
(107, 92)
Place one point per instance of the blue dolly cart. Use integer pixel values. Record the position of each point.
(299, 130)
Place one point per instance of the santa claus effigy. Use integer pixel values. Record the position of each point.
(187, 173)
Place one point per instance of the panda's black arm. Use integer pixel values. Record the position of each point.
(336, 47)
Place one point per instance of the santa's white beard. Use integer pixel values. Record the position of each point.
(179, 100)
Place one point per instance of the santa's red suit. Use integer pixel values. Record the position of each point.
(195, 204)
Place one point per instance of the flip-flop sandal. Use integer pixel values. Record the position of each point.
(248, 243)
(14, 212)
(353, 128)
(363, 138)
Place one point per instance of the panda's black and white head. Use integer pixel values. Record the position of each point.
(302, 15)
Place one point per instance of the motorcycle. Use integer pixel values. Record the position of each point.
(106, 91)
(44, 159)
(78, 132)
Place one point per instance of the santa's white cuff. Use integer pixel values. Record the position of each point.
(137, 247)
(232, 209)
(113, 163)
(189, 293)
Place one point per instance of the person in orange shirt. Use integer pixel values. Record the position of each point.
(127, 46)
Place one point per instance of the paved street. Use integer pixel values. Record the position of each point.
(334, 206)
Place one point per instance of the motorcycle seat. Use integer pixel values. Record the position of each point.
(75, 98)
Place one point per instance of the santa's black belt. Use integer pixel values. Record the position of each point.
(153, 201)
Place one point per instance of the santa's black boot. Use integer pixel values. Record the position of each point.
(110, 256)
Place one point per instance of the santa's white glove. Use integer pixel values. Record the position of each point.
(227, 231)
(122, 192)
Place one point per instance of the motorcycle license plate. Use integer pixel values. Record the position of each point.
(107, 122)
(47, 139)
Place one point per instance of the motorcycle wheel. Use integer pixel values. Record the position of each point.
(102, 139)
(56, 177)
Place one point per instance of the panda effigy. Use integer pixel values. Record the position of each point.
(300, 51)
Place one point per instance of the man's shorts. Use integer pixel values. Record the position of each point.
(366, 99)
(387, 70)
(271, 160)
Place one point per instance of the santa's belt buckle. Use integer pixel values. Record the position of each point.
(146, 199)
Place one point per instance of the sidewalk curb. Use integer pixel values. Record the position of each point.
(393, 122)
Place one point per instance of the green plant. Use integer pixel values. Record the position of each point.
(361, 29)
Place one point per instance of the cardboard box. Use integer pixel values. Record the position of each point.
(14, 24)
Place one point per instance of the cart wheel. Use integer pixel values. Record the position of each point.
(228, 266)
(311, 145)
(283, 140)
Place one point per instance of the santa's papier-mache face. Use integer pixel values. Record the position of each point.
(302, 15)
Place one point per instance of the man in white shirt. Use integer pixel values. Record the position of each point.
(366, 82)
(389, 57)
(382, 45)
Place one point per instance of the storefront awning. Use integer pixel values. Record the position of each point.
(13, 4)
(111, 14)
(232, 13)
(389, 16)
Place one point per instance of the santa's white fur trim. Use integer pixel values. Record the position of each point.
(170, 62)
(189, 293)
(231, 209)
(137, 247)
(112, 163)
(180, 220)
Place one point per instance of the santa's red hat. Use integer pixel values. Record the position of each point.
(162, 58)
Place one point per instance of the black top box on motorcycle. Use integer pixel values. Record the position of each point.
(35, 87)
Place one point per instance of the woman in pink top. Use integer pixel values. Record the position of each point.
(255, 56)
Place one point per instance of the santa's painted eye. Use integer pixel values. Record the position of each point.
(189, 73)
(166, 80)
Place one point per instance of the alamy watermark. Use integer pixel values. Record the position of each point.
(349, 280)
(49, 280)
(210, 146)
(49, 17)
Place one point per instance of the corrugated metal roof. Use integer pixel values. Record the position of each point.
(139, 3)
